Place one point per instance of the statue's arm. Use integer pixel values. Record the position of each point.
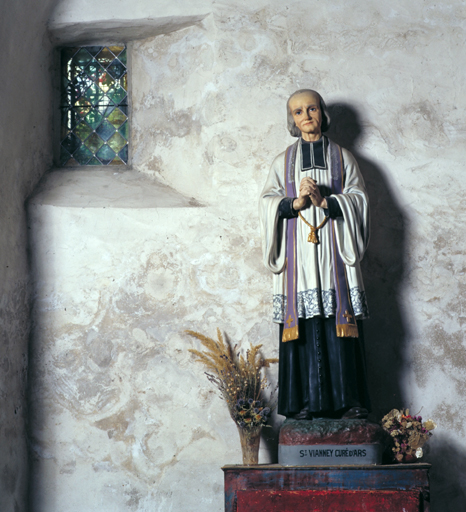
(333, 211)
(285, 208)
(353, 228)
(273, 226)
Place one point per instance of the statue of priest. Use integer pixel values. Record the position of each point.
(314, 214)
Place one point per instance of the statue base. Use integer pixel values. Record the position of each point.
(330, 442)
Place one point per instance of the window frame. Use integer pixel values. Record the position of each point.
(57, 105)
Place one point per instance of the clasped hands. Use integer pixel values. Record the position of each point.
(308, 190)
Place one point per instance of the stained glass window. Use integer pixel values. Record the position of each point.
(94, 106)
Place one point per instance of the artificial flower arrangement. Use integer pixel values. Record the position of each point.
(239, 379)
(409, 434)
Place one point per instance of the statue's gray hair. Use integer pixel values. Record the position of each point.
(292, 128)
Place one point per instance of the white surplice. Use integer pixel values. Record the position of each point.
(316, 288)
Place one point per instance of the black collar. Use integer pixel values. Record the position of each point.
(314, 154)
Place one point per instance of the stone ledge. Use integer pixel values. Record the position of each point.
(106, 188)
(118, 30)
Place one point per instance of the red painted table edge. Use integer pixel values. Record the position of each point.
(414, 465)
(236, 478)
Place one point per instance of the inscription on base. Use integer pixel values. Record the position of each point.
(329, 455)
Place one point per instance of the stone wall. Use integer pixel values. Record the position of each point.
(26, 153)
(123, 418)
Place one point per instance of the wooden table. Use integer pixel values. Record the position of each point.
(275, 488)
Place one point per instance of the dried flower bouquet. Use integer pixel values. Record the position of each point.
(408, 433)
(239, 379)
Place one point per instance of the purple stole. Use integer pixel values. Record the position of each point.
(345, 320)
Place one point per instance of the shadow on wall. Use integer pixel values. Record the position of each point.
(383, 271)
(382, 267)
(447, 489)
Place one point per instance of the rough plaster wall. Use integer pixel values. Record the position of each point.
(123, 413)
(124, 420)
(25, 149)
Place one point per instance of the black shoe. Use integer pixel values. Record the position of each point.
(304, 414)
(355, 413)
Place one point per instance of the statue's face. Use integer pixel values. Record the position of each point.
(305, 108)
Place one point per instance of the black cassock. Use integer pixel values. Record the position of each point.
(321, 372)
